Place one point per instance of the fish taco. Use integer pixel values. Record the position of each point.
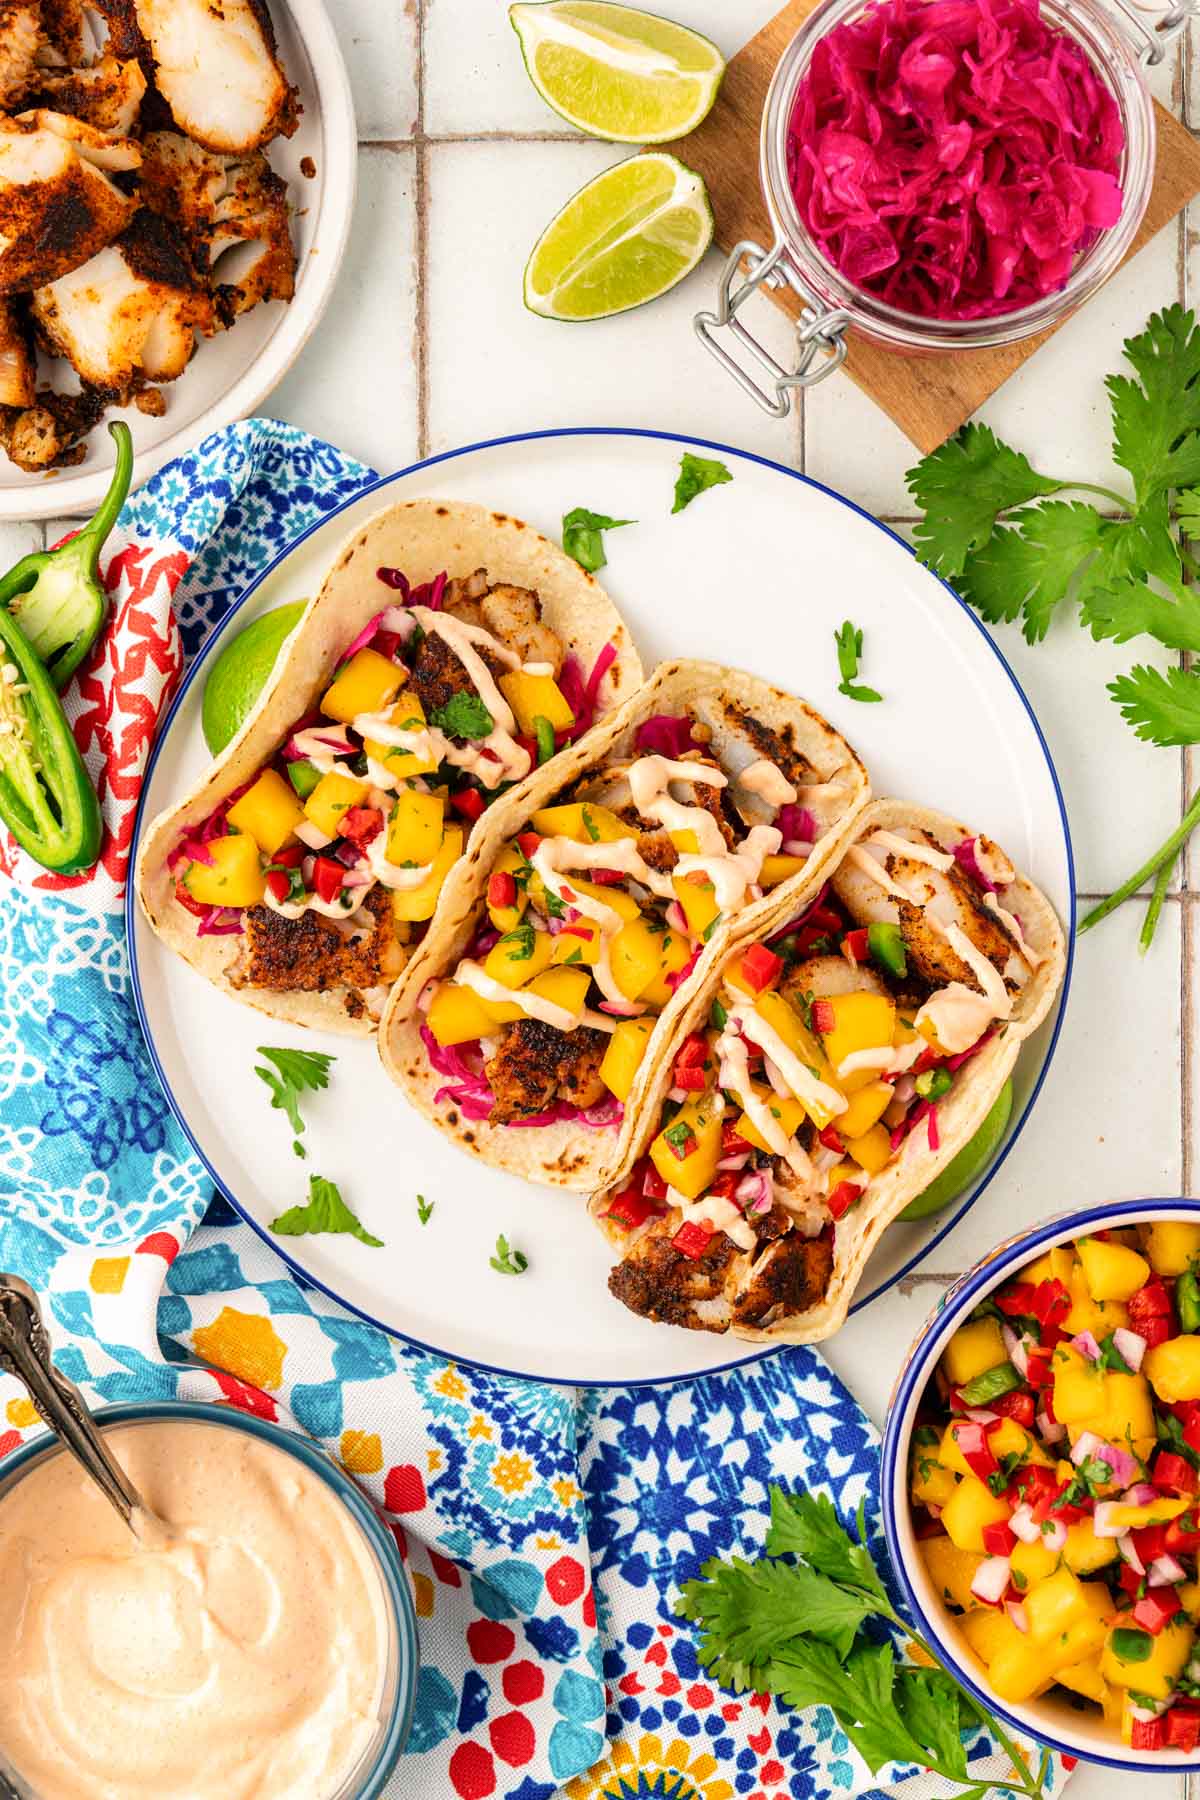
(529, 1025)
(835, 1062)
(449, 652)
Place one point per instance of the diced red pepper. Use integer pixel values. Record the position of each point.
(925, 1525)
(292, 855)
(1150, 1541)
(725, 1184)
(1156, 1329)
(1171, 1474)
(632, 1209)
(692, 1239)
(1183, 1535)
(928, 1059)
(831, 1140)
(856, 946)
(1183, 1728)
(761, 967)
(693, 1052)
(279, 884)
(692, 1081)
(1032, 1485)
(977, 1453)
(529, 841)
(1053, 1506)
(1191, 1431)
(842, 1198)
(1019, 1405)
(653, 1185)
(1051, 1303)
(1151, 1299)
(999, 1538)
(1148, 1734)
(386, 642)
(1016, 1302)
(825, 920)
(732, 1142)
(1039, 1367)
(824, 1017)
(1129, 1579)
(1156, 1606)
(328, 877)
(502, 889)
(360, 824)
(528, 745)
(606, 877)
(199, 908)
(469, 803)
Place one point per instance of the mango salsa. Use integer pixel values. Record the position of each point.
(415, 828)
(363, 685)
(235, 877)
(535, 696)
(269, 811)
(686, 1152)
(623, 1057)
(421, 902)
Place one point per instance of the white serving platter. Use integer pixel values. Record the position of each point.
(758, 572)
(231, 374)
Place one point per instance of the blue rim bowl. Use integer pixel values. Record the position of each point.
(1051, 1720)
(368, 1780)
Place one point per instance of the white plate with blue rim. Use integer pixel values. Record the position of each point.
(758, 572)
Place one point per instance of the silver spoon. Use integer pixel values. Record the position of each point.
(25, 1353)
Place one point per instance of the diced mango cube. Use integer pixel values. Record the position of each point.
(972, 1506)
(613, 897)
(1084, 1551)
(1174, 1368)
(986, 1630)
(518, 956)
(563, 987)
(873, 1150)
(1172, 1245)
(674, 955)
(581, 942)
(457, 1015)
(415, 828)
(698, 898)
(234, 878)
(1031, 1563)
(635, 956)
(1020, 1668)
(1085, 1678)
(409, 715)
(1078, 1385)
(783, 1107)
(1157, 1674)
(623, 1056)
(535, 696)
(363, 685)
(864, 1109)
(686, 1152)
(582, 820)
(974, 1348)
(333, 796)
(951, 1570)
(779, 868)
(421, 902)
(1113, 1272)
(269, 811)
(861, 1022)
(1054, 1605)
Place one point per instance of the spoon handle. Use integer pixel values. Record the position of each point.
(25, 1353)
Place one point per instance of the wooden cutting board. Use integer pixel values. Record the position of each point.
(929, 397)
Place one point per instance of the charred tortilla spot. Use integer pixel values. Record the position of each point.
(777, 746)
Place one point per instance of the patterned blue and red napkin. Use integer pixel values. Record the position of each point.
(545, 1532)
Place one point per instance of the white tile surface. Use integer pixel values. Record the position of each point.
(356, 382)
(380, 43)
(494, 367)
(18, 540)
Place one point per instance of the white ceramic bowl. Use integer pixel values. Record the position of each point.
(231, 374)
(1051, 1719)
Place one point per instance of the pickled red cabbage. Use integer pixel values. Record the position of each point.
(954, 158)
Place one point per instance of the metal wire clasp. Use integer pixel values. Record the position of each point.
(1157, 33)
(818, 330)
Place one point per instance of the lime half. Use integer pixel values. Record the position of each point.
(618, 73)
(240, 672)
(962, 1169)
(625, 238)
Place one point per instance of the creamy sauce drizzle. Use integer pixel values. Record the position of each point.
(768, 782)
(535, 1006)
(914, 850)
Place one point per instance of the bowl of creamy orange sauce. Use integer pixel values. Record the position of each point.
(264, 1647)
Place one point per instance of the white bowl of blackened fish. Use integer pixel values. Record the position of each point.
(176, 185)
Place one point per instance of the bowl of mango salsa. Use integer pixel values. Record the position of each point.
(1041, 1483)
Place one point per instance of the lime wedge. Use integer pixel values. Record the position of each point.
(240, 672)
(962, 1169)
(625, 238)
(618, 73)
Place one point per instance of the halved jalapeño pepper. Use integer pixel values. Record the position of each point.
(46, 799)
(56, 595)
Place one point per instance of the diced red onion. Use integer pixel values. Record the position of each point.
(1141, 1494)
(676, 918)
(1017, 1614)
(990, 1582)
(979, 1414)
(221, 921)
(1102, 1520)
(1024, 1525)
(1165, 1571)
(621, 1009)
(753, 1192)
(1124, 1467)
(665, 734)
(1129, 1553)
(1085, 1343)
(1017, 1354)
(1131, 1345)
(1049, 1430)
(312, 835)
(679, 976)
(728, 1163)
(1054, 1535)
(795, 847)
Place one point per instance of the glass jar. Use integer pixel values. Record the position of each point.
(1119, 42)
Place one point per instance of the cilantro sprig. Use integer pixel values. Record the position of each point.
(696, 473)
(583, 536)
(464, 715)
(325, 1211)
(507, 1261)
(294, 1072)
(994, 527)
(797, 1622)
(849, 641)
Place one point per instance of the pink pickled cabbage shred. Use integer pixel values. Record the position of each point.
(664, 734)
(954, 158)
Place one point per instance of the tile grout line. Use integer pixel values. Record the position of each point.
(421, 240)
